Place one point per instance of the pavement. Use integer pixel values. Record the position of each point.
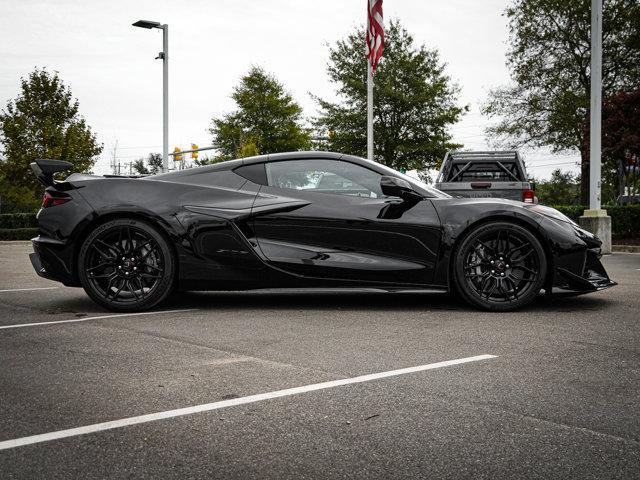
(556, 393)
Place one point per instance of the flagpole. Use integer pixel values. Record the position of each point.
(374, 40)
(369, 112)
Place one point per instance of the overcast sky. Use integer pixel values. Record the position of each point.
(110, 65)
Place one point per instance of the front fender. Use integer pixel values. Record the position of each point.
(566, 245)
(459, 215)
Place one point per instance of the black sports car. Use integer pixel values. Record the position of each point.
(304, 219)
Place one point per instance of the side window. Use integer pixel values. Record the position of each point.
(254, 173)
(325, 176)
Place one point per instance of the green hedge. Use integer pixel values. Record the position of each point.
(625, 220)
(18, 226)
(18, 233)
(18, 220)
(8, 207)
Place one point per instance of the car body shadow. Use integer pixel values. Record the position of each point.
(364, 301)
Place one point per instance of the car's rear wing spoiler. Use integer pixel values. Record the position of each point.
(45, 169)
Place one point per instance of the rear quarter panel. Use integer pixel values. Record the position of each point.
(58, 228)
(205, 223)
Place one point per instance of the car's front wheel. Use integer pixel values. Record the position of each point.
(499, 266)
(126, 265)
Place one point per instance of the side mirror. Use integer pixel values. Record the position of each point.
(397, 187)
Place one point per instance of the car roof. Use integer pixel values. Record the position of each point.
(278, 157)
(272, 157)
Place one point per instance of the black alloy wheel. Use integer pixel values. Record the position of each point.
(126, 265)
(500, 266)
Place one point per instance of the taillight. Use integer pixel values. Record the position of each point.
(528, 196)
(50, 201)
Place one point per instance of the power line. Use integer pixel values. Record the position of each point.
(552, 164)
(147, 146)
(469, 136)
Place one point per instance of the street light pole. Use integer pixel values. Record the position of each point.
(165, 98)
(164, 56)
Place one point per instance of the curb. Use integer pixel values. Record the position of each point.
(625, 248)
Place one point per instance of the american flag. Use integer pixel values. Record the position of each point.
(375, 32)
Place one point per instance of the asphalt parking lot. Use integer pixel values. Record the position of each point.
(549, 392)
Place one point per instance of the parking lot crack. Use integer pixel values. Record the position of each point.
(235, 353)
(617, 348)
(565, 426)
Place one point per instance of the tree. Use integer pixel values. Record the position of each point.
(139, 167)
(414, 102)
(267, 119)
(152, 166)
(206, 160)
(620, 145)
(562, 189)
(549, 59)
(154, 160)
(43, 122)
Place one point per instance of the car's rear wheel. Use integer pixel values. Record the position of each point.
(126, 265)
(499, 266)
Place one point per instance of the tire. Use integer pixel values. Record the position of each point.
(126, 265)
(499, 266)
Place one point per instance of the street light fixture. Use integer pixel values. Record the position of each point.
(147, 24)
(164, 56)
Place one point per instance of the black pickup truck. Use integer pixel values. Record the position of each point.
(499, 174)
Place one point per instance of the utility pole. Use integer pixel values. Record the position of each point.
(114, 159)
(595, 219)
(595, 140)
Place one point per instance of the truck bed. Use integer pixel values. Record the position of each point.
(498, 174)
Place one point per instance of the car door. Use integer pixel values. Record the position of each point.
(335, 223)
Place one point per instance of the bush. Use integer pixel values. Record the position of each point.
(10, 207)
(14, 199)
(574, 212)
(18, 220)
(625, 220)
(18, 233)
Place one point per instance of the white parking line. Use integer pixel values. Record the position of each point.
(27, 289)
(99, 427)
(86, 319)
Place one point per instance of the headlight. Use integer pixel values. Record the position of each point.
(552, 213)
